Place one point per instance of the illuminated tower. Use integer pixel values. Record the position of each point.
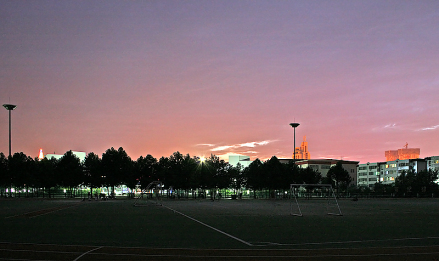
(302, 151)
(41, 155)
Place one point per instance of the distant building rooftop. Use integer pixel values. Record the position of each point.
(402, 154)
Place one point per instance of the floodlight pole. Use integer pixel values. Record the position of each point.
(9, 107)
(294, 125)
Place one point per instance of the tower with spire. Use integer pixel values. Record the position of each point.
(302, 151)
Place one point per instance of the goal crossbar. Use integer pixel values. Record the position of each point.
(146, 190)
(294, 187)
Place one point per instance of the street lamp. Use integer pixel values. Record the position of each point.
(294, 125)
(9, 107)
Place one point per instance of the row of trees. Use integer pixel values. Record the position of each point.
(181, 172)
(410, 183)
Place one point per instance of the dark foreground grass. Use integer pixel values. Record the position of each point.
(224, 224)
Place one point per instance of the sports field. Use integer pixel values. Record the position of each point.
(370, 229)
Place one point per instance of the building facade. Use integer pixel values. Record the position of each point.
(386, 172)
(368, 174)
(323, 166)
(433, 163)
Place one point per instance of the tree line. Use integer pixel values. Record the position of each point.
(182, 173)
(410, 184)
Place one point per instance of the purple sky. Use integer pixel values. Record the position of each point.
(202, 77)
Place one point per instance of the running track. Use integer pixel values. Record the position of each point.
(14, 251)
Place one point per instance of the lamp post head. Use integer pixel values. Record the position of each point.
(294, 125)
(9, 107)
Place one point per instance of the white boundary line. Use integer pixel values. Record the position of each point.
(254, 244)
(204, 224)
(83, 254)
(293, 255)
(298, 255)
(343, 242)
(51, 210)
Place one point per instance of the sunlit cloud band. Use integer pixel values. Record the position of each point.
(241, 145)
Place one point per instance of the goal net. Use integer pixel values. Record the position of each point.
(320, 191)
(150, 195)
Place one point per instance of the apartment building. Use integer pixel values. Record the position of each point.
(386, 172)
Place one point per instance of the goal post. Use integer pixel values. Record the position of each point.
(150, 194)
(325, 189)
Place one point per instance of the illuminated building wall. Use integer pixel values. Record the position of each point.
(302, 151)
(433, 163)
(387, 172)
(368, 174)
(323, 166)
(403, 154)
(243, 160)
(80, 154)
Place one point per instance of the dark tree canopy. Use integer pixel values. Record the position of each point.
(411, 183)
(69, 170)
(339, 177)
(185, 174)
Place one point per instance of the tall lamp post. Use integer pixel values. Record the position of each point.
(294, 125)
(9, 107)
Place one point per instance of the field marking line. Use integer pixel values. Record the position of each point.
(204, 224)
(207, 256)
(49, 210)
(85, 253)
(342, 242)
(40, 251)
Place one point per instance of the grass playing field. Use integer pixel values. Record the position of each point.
(387, 229)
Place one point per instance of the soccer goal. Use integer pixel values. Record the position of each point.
(324, 191)
(150, 195)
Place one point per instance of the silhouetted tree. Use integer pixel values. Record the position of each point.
(5, 180)
(180, 169)
(46, 169)
(92, 171)
(254, 176)
(69, 170)
(275, 175)
(216, 174)
(310, 176)
(116, 166)
(339, 177)
(146, 169)
(236, 177)
(163, 170)
(425, 182)
(21, 168)
(411, 183)
(294, 173)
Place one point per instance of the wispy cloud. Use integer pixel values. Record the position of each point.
(252, 144)
(430, 128)
(220, 148)
(389, 126)
(206, 144)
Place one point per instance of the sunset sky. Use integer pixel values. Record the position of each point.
(219, 77)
